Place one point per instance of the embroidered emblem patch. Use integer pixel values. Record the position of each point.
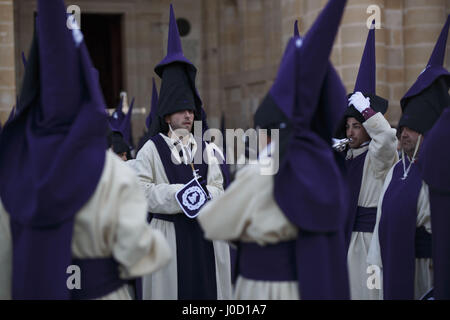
(191, 198)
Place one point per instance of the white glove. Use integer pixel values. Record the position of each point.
(360, 102)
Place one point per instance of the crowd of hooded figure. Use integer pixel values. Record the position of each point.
(367, 221)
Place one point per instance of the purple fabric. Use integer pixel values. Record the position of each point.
(434, 67)
(366, 81)
(440, 221)
(61, 125)
(40, 260)
(115, 120)
(125, 125)
(436, 171)
(138, 289)
(365, 219)
(196, 269)
(326, 267)
(174, 48)
(422, 243)
(233, 263)
(296, 32)
(273, 262)
(224, 168)
(308, 85)
(24, 60)
(152, 114)
(11, 116)
(226, 175)
(99, 277)
(436, 174)
(397, 231)
(355, 168)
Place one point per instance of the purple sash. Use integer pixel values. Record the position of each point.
(273, 262)
(365, 219)
(196, 268)
(99, 277)
(355, 168)
(397, 232)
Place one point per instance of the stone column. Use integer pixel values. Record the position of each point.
(395, 68)
(211, 57)
(7, 68)
(423, 21)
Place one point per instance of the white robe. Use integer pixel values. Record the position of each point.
(423, 280)
(247, 212)
(111, 223)
(382, 155)
(160, 194)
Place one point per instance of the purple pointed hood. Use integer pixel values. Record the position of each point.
(58, 141)
(125, 126)
(174, 48)
(24, 60)
(178, 91)
(366, 81)
(434, 69)
(298, 92)
(296, 32)
(153, 107)
(115, 120)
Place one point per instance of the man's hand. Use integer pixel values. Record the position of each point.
(360, 102)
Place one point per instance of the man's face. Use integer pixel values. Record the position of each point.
(263, 139)
(355, 131)
(408, 140)
(123, 156)
(181, 120)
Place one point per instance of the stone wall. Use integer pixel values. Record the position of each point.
(7, 70)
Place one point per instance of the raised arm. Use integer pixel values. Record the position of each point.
(160, 197)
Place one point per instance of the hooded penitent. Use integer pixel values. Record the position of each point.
(24, 60)
(178, 91)
(436, 173)
(58, 141)
(117, 142)
(366, 84)
(125, 126)
(115, 120)
(306, 102)
(425, 100)
(150, 117)
(195, 256)
(400, 241)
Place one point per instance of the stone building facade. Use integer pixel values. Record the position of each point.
(237, 46)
